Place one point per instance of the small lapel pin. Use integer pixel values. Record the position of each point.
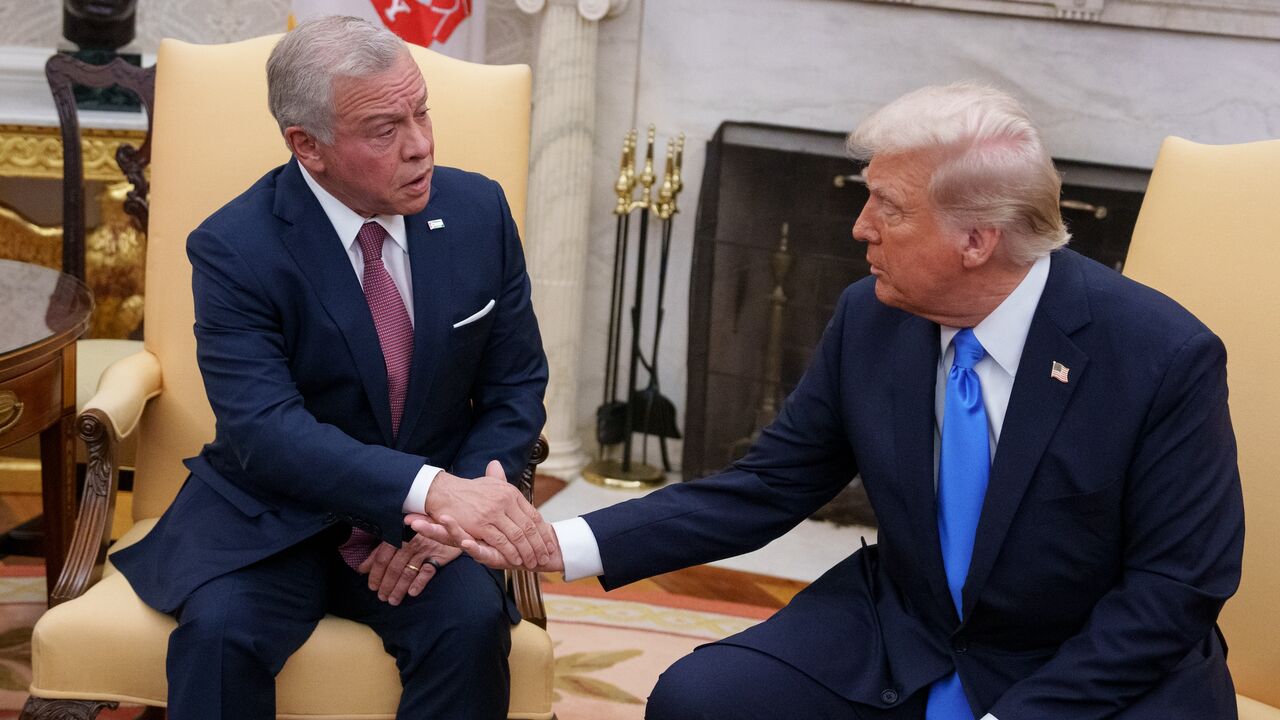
(435, 224)
(1059, 372)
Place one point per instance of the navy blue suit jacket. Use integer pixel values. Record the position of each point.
(295, 374)
(1110, 536)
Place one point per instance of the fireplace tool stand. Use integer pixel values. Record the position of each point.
(646, 411)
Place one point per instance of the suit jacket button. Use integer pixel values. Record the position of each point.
(889, 696)
(330, 518)
(960, 645)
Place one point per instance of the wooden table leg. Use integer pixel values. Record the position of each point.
(58, 480)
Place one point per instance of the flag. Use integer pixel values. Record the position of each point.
(1059, 372)
(453, 27)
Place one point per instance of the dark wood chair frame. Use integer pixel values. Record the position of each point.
(92, 535)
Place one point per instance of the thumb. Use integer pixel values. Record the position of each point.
(494, 469)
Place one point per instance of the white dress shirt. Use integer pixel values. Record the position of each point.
(395, 256)
(1003, 334)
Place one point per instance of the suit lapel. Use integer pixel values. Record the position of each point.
(915, 374)
(430, 261)
(1035, 409)
(317, 250)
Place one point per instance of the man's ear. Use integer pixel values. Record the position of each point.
(980, 246)
(305, 147)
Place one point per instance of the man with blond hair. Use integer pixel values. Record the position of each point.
(1046, 446)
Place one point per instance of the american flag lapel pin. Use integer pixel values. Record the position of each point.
(435, 224)
(1059, 372)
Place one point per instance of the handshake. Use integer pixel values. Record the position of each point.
(489, 520)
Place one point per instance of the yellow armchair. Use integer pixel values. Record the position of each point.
(1208, 236)
(213, 137)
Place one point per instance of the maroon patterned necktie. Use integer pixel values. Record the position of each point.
(395, 335)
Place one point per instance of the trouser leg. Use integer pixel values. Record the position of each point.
(450, 643)
(235, 633)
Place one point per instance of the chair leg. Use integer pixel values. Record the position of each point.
(42, 709)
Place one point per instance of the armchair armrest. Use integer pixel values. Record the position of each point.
(111, 414)
(524, 583)
(123, 391)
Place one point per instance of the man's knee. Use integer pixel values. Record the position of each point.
(217, 622)
(691, 689)
(475, 633)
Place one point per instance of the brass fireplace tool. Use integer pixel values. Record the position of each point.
(646, 410)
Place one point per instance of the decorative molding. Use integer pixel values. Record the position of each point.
(33, 151)
(593, 10)
(1241, 18)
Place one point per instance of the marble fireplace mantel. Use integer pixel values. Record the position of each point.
(1243, 18)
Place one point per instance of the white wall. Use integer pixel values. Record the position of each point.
(1099, 93)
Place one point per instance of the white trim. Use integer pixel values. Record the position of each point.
(1242, 18)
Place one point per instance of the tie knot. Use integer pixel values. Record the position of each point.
(968, 350)
(370, 237)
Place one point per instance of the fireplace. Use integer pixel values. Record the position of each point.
(758, 306)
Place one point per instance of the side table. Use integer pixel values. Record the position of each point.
(44, 311)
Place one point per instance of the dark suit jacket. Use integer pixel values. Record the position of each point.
(295, 375)
(1110, 537)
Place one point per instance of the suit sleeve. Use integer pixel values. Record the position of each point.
(799, 463)
(289, 454)
(512, 378)
(1184, 520)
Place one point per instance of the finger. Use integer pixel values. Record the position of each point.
(481, 553)
(507, 538)
(396, 568)
(530, 522)
(412, 570)
(433, 531)
(421, 579)
(376, 563)
(494, 469)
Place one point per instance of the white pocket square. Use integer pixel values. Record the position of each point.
(483, 311)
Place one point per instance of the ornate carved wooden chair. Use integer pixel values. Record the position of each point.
(213, 137)
(109, 259)
(1207, 237)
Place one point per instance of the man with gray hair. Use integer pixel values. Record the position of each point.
(362, 361)
(1045, 443)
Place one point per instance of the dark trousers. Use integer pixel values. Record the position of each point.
(717, 682)
(236, 632)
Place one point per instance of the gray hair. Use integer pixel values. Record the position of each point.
(304, 64)
(992, 170)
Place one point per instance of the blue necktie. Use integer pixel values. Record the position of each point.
(963, 466)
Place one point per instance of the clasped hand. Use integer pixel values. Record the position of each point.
(489, 520)
(395, 572)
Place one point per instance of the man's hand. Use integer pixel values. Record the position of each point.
(491, 510)
(393, 572)
(447, 531)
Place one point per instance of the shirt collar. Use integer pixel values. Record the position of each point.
(347, 223)
(1003, 333)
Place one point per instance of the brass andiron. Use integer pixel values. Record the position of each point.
(768, 410)
(645, 410)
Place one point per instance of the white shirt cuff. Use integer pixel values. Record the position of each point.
(578, 549)
(416, 500)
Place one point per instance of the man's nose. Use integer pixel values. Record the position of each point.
(862, 230)
(419, 143)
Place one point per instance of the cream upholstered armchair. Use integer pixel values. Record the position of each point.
(213, 137)
(1208, 236)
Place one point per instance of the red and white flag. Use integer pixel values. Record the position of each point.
(453, 27)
